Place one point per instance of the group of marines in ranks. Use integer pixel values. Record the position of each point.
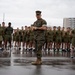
(56, 38)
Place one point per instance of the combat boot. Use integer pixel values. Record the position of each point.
(37, 62)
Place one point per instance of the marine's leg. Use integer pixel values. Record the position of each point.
(39, 45)
(51, 45)
(48, 45)
(68, 47)
(72, 50)
(0, 43)
(10, 39)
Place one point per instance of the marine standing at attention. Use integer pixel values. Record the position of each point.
(39, 28)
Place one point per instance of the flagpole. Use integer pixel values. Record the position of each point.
(3, 17)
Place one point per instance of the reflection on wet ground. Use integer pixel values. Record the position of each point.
(53, 63)
(45, 54)
(22, 62)
(5, 62)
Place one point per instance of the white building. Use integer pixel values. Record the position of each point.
(69, 22)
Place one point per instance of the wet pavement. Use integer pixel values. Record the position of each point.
(53, 63)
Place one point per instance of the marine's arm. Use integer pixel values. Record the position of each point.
(43, 27)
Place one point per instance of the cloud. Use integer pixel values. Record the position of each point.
(22, 12)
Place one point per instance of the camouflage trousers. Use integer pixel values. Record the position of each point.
(38, 48)
(1, 38)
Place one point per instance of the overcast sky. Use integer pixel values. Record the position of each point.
(22, 12)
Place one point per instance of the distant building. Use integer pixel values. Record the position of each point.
(69, 22)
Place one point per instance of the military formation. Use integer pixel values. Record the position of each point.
(55, 38)
(37, 37)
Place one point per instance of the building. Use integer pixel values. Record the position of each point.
(69, 22)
